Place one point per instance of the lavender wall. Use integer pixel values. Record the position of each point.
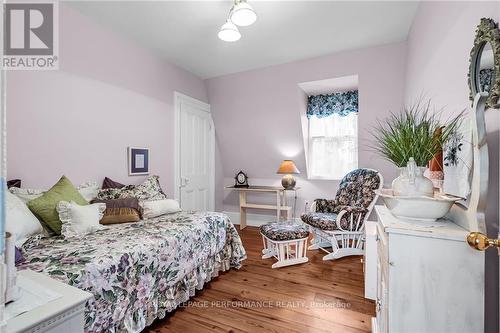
(107, 95)
(258, 116)
(438, 59)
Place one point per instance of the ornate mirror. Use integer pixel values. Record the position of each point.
(484, 66)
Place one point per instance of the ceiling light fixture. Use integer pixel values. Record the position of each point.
(242, 14)
(229, 32)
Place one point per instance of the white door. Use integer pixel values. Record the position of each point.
(196, 139)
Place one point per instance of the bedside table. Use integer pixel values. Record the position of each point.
(64, 314)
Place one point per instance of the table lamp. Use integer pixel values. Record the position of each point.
(288, 168)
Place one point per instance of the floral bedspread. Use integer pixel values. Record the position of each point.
(139, 271)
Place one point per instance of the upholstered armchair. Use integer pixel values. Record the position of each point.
(339, 223)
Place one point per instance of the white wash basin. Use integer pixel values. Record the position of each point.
(417, 207)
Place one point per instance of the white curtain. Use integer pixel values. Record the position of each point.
(333, 145)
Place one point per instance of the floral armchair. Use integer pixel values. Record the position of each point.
(339, 223)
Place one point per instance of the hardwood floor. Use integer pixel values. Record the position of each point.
(314, 297)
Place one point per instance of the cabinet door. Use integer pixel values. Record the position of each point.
(382, 306)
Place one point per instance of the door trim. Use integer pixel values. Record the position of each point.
(179, 98)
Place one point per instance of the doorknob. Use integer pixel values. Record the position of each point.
(481, 242)
(184, 181)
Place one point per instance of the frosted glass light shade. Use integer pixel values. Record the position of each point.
(242, 14)
(229, 32)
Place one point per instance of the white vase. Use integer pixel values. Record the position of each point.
(412, 182)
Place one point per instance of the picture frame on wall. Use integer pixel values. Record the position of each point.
(138, 161)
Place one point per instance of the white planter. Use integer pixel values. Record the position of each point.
(420, 208)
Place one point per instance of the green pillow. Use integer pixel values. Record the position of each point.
(44, 207)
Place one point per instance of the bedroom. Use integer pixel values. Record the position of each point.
(150, 88)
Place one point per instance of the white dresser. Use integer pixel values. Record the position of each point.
(428, 278)
(62, 315)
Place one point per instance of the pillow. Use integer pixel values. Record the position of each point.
(79, 220)
(116, 193)
(108, 183)
(14, 183)
(44, 207)
(26, 194)
(120, 210)
(88, 190)
(159, 207)
(18, 256)
(20, 221)
(150, 189)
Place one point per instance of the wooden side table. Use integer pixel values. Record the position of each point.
(64, 314)
(281, 201)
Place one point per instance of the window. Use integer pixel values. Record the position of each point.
(333, 145)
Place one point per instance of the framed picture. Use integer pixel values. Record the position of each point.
(138, 161)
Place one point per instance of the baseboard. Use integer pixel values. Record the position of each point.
(253, 220)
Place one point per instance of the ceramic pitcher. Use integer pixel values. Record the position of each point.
(412, 182)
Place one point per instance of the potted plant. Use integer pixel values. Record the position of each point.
(408, 140)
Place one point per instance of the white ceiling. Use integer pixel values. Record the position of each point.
(185, 32)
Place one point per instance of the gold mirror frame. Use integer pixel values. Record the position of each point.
(486, 32)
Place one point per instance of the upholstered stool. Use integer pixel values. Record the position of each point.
(286, 241)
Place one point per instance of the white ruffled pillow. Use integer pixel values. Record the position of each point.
(159, 207)
(20, 221)
(79, 220)
(88, 190)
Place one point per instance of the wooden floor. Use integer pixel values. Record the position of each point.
(319, 296)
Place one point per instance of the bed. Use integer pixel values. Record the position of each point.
(139, 271)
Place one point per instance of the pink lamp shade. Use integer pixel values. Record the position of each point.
(288, 167)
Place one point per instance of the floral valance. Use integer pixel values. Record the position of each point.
(339, 103)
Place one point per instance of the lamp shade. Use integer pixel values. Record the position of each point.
(229, 32)
(242, 14)
(288, 167)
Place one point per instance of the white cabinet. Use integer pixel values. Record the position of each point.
(370, 260)
(428, 278)
(63, 315)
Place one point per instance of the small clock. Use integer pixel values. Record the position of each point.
(241, 180)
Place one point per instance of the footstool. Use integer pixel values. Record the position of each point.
(286, 241)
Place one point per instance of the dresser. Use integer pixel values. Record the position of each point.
(428, 278)
(62, 315)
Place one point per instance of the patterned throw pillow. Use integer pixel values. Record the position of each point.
(150, 189)
(26, 194)
(88, 190)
